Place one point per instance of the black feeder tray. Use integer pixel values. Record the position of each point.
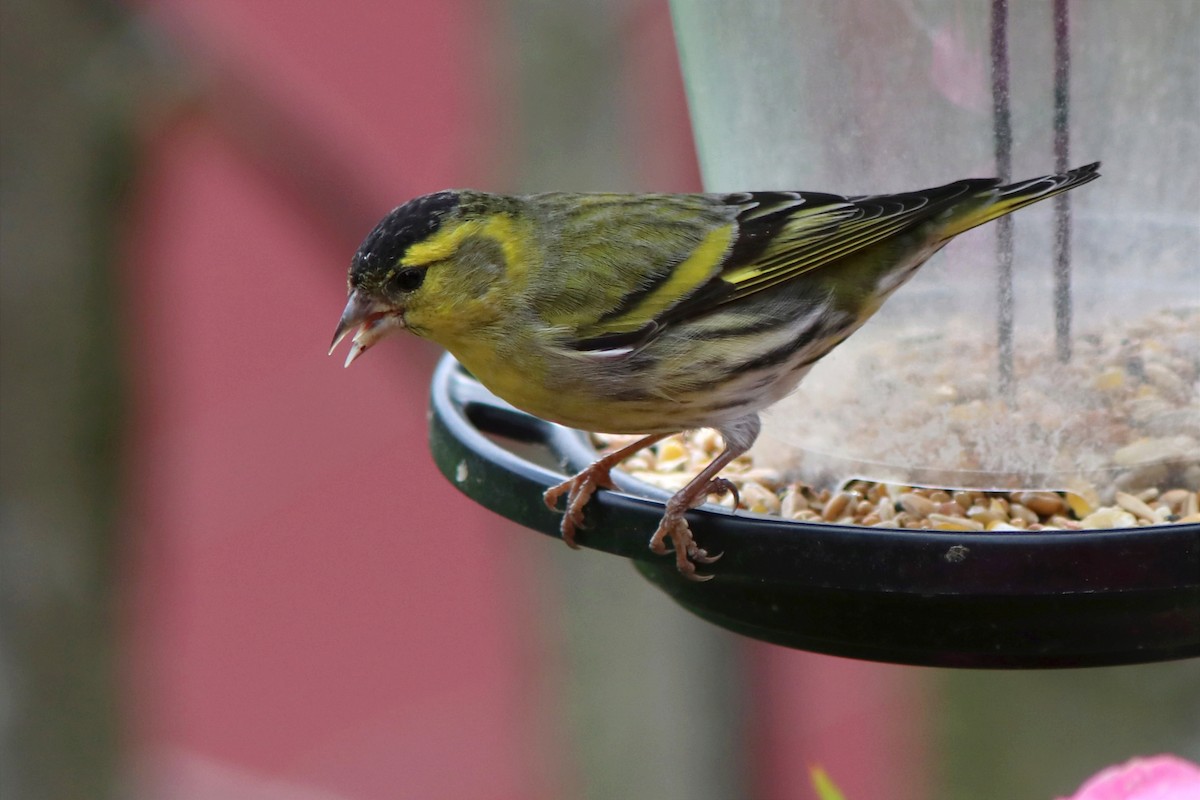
(937, 598)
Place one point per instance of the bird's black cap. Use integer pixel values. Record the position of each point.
(406, 225)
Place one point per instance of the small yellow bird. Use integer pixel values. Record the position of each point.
(653, 313)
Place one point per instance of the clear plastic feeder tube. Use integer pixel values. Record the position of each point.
(1062, 352)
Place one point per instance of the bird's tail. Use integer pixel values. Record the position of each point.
(1003, 200)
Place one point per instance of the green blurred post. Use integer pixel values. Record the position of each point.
(70, 73)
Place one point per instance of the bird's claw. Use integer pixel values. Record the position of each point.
(687, 553)
(674, 528)
(720, 487)
(579, 490)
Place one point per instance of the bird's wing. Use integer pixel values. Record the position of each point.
(783, 235)
(774, 237)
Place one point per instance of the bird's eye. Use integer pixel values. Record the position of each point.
(406, 280)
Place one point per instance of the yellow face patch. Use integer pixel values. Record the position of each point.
(500, 228)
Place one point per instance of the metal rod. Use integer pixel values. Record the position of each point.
(1002, 134)
(1062, 203)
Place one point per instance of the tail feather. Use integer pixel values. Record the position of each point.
(1007, 199)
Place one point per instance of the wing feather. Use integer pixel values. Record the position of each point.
(814, 237)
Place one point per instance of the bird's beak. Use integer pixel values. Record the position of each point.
(373, 320)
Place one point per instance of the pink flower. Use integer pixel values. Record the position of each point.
(1164, 777)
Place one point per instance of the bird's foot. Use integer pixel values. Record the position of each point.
(579, 490)
(674, 527)
(688, 554)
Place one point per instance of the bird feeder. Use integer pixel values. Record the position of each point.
(1054, 353)
(1055, 349)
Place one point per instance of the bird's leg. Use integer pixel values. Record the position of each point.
(581, 487)
(738, 435)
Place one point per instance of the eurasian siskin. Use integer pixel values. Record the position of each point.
(654, 313)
